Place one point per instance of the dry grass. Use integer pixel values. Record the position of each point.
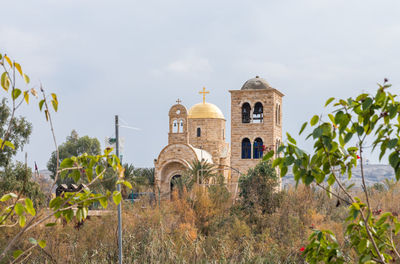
(206, 229)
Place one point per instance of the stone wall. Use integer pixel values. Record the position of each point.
(212, 137)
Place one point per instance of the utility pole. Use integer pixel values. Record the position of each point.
(118, 189)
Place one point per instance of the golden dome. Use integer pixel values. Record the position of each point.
(205, 110)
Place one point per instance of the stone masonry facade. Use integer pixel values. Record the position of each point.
(200, 134)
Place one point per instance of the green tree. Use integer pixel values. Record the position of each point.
(259, 193)
(17, 178)
(339, 143)
(19, 136)
(74, 146)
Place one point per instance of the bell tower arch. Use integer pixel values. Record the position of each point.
(255, 122)
(178, 124)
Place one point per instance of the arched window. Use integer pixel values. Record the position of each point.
(246, 148)
(258, 113)
(175, 127)
(279, 114)
(198, 132)
(180, 126)
(258, 148)
(246, 113)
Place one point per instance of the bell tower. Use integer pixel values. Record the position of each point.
(178, 124)
(256, 125)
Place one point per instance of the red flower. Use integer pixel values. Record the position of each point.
(263, 148)
(358, 157)
(302, 249)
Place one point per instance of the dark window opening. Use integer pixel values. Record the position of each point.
(279, 114)
(198, 132)
(258, 148)
(258, 113)
(246, 148)
(175, 181)
(246, 113)
(175, 127)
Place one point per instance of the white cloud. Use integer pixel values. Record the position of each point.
(191, 64)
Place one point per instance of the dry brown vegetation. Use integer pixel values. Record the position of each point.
(204, 226)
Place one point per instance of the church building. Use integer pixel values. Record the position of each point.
(200, 134)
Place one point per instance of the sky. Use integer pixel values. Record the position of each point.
(136, 58)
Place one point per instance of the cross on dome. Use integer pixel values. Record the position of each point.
(178, 101)
(204, 92)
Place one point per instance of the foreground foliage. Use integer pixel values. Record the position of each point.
(339, 143)
(17, 210)
(209, 230)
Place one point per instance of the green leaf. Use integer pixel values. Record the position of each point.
(26, 78)
(68, 214)
(17, 253)
(19, 209)
(314, 120)
(303, 127)
(50, 224)
(117, 197)
(347, 137)
(18, 67)
(329, 101)
(26, 96)
(22, 220)
(8, 196)
(331, 179)
(67, 163)
(269, 155)
(9, 144)
(75, 175)
(392, 143)
(367, 103)
(291, 140)
(394, 159)
(276, 162)
(129, 185)
(317, 132)
(99, 169)
(362, 245)
(284, 170)
(397, 228)
(5, 82)
(79, 214)
(42, 243)
(356, 206)
(41, 104)
(29, 207)
(361, 97)
(54, 97)
(32, 241)
(103, 201)
(8, 60)
(55, 203)
(55, 105)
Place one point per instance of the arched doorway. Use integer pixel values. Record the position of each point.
(174, 183)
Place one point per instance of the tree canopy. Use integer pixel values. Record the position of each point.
(19, 136)
(74, 146)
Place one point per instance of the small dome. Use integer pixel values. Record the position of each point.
(205, 110)
(256, 83)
